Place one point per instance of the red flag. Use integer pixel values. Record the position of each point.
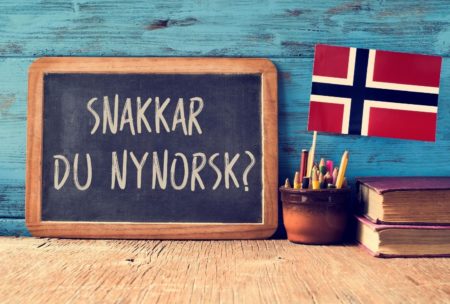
(374, 93)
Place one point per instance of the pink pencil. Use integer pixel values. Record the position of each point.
(330, 166)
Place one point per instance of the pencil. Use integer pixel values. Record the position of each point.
(305, 182)
(327, 179)
(304, 164)
(313, 171)
(297, 184)
(342, 168)
(322, 167)
(287, 184)
(315, 180)
(335, 174)
(330, 166)
(321, 180)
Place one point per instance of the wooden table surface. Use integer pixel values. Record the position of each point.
(274, 271)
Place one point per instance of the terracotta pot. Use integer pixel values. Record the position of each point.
(315, 216)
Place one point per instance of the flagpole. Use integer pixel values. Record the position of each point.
(311, 153)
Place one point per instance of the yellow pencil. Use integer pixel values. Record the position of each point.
(297, 183)
(342, 168)
(315, 180)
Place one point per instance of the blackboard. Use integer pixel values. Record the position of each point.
(151, 148)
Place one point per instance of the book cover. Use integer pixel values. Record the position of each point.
(382, 184)
(379, 227)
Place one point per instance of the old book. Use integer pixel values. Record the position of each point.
(405, 200)
(403, 240)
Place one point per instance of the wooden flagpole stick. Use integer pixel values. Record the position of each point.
(311, 153)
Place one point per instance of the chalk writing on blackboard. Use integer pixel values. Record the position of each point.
(152, 148)
(169, 169)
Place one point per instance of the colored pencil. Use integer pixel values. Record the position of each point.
(322, 167)
(304, 164)
(335, 175)
(287, 184)
(297, 184)
(330, 166)
(342, 168)
(305, 182)
(315, 180)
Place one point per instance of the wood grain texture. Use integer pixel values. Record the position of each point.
(285, 31)
(60, 271)
(241, 28)
(149, 230)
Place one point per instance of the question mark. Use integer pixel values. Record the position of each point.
(247, 170)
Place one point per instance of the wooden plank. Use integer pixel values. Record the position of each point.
(12, 197)
(246, 28)
(11, 226)
(276, 271)
(368, 155)
(13, 82)
(13, 113)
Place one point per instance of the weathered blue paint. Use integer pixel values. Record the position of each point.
(218, 28)
(15, 227)
(283, 31)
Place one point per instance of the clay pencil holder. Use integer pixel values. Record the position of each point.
(315, 216)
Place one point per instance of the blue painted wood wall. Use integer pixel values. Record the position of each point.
(284, 31)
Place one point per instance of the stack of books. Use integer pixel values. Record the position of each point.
(404, 216)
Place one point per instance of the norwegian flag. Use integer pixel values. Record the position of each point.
(374, 93)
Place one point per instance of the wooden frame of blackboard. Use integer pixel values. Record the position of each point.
(147, 230)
